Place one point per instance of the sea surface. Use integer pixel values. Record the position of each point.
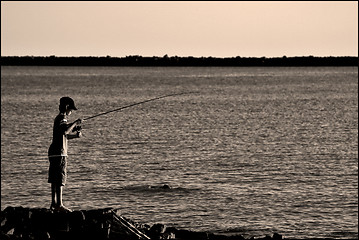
(247, 150)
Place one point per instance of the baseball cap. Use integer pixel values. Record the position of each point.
(68, 101)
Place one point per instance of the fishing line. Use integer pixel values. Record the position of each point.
(134, 104)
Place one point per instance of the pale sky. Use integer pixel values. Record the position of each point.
(182, 28)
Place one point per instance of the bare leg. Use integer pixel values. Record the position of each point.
(59, 195)
(60, 205)
(53, 195)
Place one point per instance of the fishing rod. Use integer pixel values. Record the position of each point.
(134, 104)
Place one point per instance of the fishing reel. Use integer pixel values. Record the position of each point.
(77, 128)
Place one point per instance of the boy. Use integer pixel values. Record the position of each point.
(62, 131)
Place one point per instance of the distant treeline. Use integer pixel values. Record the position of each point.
(177, 61)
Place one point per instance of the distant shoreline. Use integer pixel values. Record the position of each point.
(175, 61)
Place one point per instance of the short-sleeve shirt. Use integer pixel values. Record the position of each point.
(58, 146)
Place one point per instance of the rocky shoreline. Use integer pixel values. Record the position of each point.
(41, 223)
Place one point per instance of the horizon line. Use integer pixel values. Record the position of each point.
(166, 55)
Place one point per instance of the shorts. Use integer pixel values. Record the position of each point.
(58, 170)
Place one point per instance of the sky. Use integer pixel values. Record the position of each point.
(179, 28)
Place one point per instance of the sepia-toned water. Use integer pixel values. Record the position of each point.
(253, 151)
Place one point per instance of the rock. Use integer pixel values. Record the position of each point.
(42, 236)
(14, 220)
(277, 236)
(189, 235)
(40, 219)
(9, 210)
(158, 228)
(224, 237)
(164, 186)
(143, 227)
(4, 236)
(98, 224)
(76, 220)
(11, 231)
(61, 221)
(168, 236)
(3, 221)
(9, 215)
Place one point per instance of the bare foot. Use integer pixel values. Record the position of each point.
(62, 208)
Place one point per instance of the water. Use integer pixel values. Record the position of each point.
(256, 151)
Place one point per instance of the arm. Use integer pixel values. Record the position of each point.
(70, 128)
(77, 134)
